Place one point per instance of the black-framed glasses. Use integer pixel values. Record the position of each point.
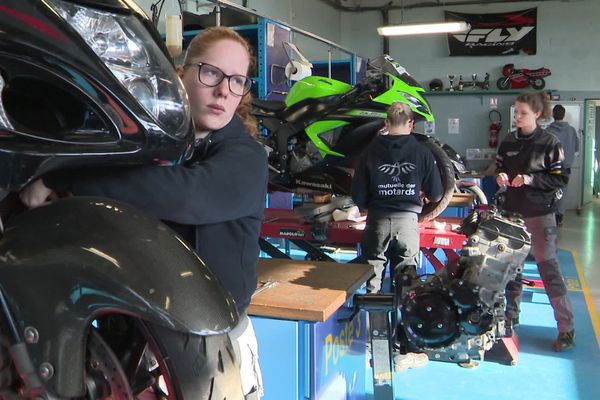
(211, 76)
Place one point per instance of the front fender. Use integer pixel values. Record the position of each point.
(64, 264)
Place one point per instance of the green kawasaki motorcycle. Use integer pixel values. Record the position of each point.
(316, 134)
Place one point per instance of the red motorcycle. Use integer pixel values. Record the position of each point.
(521, 78)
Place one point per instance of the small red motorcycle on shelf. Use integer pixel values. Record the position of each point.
(521, 78)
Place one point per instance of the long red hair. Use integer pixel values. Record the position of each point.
(207, 38)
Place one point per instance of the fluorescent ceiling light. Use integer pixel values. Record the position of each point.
(419, 29)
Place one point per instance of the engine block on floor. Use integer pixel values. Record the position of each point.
(456, 316)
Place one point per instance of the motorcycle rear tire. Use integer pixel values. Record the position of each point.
(537, 83)
(433, 209)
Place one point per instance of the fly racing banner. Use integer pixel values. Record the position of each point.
(496, 34)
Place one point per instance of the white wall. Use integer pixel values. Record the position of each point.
(308, 15)
(566, 38)
(567, 43)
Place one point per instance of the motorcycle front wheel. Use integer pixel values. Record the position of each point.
(503, 83)
(129, 359)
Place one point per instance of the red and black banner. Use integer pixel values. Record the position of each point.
(496, 34)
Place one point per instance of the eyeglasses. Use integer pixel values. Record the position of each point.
(212, 76)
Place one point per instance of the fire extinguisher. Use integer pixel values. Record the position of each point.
(495, 125)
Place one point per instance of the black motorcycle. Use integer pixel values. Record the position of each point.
(97, 300)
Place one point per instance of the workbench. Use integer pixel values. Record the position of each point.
(309, 347)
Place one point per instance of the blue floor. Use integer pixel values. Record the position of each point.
(540, 373)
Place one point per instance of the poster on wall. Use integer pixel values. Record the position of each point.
(496, 34)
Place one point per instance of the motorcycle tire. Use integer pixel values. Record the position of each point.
(537, 83)
(191, 366)
(433, 209)
(503, 83)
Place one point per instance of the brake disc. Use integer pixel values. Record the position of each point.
(105, 364)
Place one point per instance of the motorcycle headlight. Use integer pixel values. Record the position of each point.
(127, 49)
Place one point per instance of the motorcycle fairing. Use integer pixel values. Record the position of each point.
(121, 262)
(404, 92)
(314, 130)
(48, 70)
(310, 94)
(315, 87)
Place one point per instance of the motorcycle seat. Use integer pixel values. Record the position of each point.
(269, 105)
(540, 72)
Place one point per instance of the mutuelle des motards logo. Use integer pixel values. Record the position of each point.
(492, 37)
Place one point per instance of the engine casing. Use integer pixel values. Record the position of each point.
(456, 316)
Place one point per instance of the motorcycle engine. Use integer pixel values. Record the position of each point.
(303, 156)
(456, 316)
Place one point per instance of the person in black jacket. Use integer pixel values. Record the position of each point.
(388, 180)
(216, 199)
(530, 165)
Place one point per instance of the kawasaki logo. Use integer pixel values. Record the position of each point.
(316, 185)
(493, 37)
(365, 113)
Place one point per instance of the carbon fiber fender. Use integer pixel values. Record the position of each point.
(64, 264)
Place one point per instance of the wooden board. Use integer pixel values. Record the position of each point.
(305, 290)
(461, 200)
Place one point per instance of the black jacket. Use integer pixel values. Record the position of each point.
(391, 173)
(539, 157)
(215, 201)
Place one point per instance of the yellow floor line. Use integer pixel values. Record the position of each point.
(587, 296)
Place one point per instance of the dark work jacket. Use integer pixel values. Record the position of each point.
(391, 173)
(540, 156)
(215, 201)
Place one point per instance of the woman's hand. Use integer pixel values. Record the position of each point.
(502, 179)
(37, 194)
(518, 181)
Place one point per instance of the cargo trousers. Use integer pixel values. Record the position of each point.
(544, 232)
(393, 237)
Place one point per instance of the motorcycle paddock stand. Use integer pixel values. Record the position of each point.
(381, 334)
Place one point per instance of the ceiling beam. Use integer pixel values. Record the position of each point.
(337, 4)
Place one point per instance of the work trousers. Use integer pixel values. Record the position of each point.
(245, 347)
(395, 237)
(543, 241)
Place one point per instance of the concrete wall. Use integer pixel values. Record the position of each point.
(567, 37)
(566, 43)
(309, 15)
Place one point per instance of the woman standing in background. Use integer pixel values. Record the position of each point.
(530, 165)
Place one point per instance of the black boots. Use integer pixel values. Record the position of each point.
(559, 219)
(510, 324)
(564, 341)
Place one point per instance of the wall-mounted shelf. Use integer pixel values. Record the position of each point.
(266, 36)
(491, 92)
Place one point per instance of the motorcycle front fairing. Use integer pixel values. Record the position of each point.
(65, 264)
(85, 83)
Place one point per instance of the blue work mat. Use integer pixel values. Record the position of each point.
(540, 372)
